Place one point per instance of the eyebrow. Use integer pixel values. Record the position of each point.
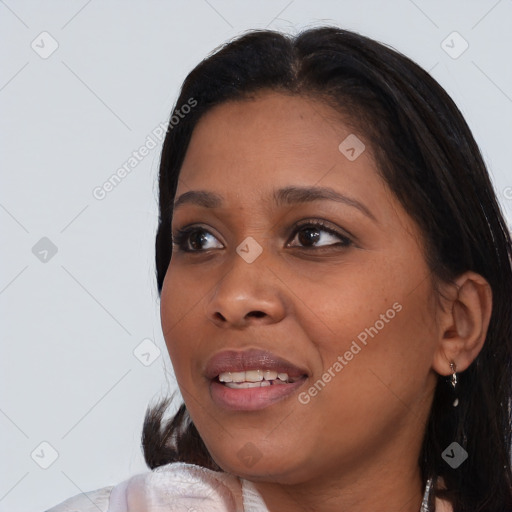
(283, 196)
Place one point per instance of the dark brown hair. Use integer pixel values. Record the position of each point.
(427, 155)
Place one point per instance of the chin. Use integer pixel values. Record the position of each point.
(250, 463)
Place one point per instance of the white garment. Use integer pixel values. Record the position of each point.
(177, 487)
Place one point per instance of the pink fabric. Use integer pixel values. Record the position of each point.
(179, 487)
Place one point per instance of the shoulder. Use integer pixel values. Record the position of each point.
(93, 501)
(186, 486)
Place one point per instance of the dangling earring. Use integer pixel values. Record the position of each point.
(453, 382)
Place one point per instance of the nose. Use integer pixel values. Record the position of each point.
(249, 293)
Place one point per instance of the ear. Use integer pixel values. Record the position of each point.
(463, 322)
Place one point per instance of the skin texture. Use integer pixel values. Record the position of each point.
(354, 446)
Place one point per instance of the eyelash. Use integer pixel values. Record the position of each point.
(181, 238)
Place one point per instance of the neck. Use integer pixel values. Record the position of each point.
(379, 492)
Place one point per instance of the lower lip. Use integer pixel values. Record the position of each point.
(251, 399)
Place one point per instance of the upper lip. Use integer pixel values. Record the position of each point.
(252, 359)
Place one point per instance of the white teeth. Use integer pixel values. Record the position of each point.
(226, 377)
(253, 377)
(245, 385)
(238, 376)
(270, 375)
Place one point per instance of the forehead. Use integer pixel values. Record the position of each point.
(278, 137)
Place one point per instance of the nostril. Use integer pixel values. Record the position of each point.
(257, 314)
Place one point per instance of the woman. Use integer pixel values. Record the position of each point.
(335, 279)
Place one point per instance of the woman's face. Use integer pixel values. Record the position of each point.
(259, 289)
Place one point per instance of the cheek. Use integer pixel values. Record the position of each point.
(178, 303)
(377, 329)
(383, 357)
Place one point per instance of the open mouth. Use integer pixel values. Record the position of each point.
(252, 379)
(255, 379)
(247, 395)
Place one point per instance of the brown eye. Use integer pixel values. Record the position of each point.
(309, 234)
(192, 239)
(196, 240)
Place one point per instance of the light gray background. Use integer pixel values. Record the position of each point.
(70, 325)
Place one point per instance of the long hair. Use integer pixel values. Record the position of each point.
(427, 155)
